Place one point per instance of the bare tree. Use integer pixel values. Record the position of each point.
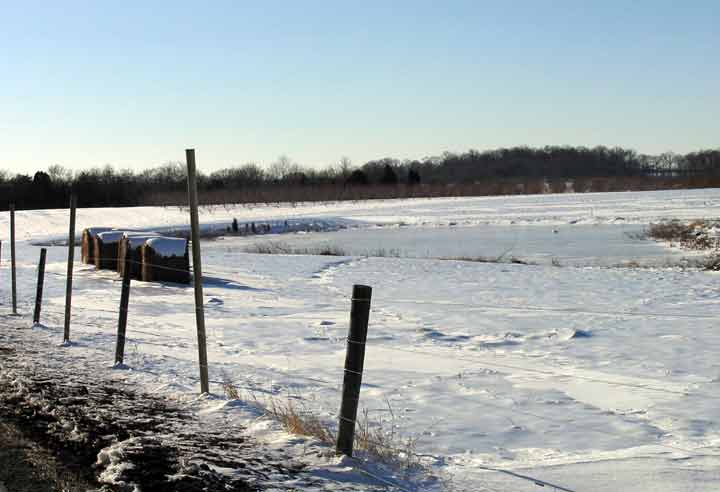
(344, 168)
(60, 174)
(282, 168)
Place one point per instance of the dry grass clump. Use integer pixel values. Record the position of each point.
(690, 235)
(280, 248)
(375, 439)
(671, 231)
(229, 389)
(298, 420)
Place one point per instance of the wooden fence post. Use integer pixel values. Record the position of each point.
(197, 271)
(13, 273)
(71, 260)
(124, 301)
(354, 362)
(40, 283)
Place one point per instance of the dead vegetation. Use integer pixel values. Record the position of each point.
(296, 419)
(377, 439)
(712, 263)
(112, 437)
(697, 234)
(280, 248)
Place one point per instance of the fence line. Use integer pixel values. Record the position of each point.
(500, 365)
(691, 452)
(614, 312)
(694, 453)
(545, 372)
(514, 308)
(155, 265)
(510, 366)
(329, 385)
(160, 334)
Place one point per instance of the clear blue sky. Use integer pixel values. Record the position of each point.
(135, 83)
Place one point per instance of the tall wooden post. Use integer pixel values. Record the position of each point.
(197, 271)
(40, 283)
(13, 271)
(124, 301)
(71, 262)
(354, 362)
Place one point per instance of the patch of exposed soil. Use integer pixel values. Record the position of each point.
(71, 432)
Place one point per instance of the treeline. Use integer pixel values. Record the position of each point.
(501, 171)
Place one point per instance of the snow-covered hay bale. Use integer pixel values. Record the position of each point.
(130, 244)
(88, 243)
(106, 249)
(166, 259)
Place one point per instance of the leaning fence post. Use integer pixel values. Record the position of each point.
(122, 320)
(71, 259)
(13, 274)
(40, 283)
(197, 271)
(354, 362)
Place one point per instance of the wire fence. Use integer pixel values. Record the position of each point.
(110, 317)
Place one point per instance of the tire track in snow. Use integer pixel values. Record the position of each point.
(326, 274)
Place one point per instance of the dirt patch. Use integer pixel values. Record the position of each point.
(27, 467)
(71, 432)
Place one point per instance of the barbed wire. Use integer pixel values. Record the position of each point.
(500, 407)
(501, 365)
(538, 482)
(494, 364)
(543, 372)
(613, 313)
(508, 366)
(79, 265)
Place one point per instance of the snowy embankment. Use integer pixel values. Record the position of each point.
(594, 379)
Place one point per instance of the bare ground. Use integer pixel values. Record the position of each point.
(69, 431)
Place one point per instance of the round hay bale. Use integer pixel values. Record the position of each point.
(165, 259)
(87, 247)
(130, 245)
(106, 249)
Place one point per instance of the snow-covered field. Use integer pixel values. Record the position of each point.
(594, 379)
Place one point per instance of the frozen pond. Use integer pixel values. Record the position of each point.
(578, 245)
